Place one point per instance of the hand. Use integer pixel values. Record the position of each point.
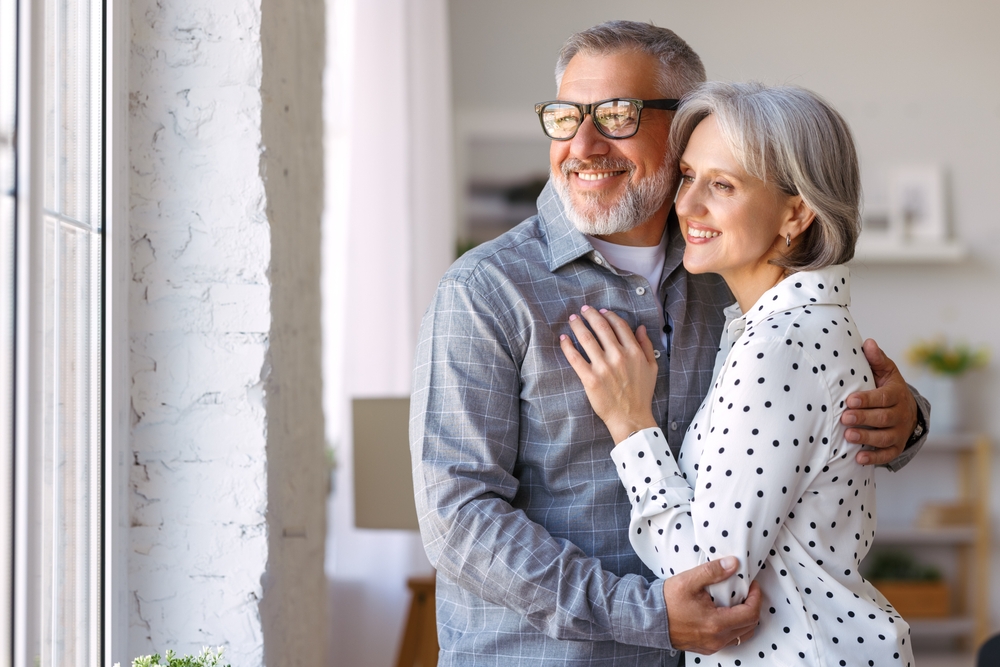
(889, 410)
(696, 624)
(621, 375)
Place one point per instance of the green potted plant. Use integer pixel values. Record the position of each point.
(945, 363)
(941, 358)
(914, 590)
(207, 658)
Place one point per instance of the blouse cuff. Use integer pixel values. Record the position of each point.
(648, 470)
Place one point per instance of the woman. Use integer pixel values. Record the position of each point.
(769, 200)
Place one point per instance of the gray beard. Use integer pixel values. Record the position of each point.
(635, 206)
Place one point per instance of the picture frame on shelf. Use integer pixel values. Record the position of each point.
(876, 227)
(917, 203)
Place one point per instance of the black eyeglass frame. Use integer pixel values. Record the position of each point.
(585, 109)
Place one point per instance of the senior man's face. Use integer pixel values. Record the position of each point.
(613, 186)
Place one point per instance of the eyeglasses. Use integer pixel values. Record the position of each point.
(616, 118)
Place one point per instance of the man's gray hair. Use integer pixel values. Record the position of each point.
(681, 67)
(793, 137)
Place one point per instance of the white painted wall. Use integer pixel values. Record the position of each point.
(228, 480)
(293, 608)
(916, 80)
(200, 318)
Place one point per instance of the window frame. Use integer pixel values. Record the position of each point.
(117, 383)
(19, 619)
(8, 99)
(27, 290)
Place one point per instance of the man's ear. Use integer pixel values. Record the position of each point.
(798, 218)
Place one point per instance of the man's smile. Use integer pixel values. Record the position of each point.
(599, 173)
(598, 176)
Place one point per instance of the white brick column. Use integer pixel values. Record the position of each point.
(228, 481)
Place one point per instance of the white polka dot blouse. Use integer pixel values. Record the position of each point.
(765, 474)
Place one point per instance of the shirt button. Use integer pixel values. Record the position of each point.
(598, 260)
(640, 290)
(656, 354)
(673, 426)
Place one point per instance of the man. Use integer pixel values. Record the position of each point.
(520, 507)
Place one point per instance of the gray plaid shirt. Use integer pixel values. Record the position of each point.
(521, 510)
(520, 507)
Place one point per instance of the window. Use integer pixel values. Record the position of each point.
(8, 88)
(51, 326)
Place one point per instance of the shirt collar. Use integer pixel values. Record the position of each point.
(675, 244)
(567, 243)
(830, 286)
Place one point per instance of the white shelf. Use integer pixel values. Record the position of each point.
(909, 252)
(941, 627)
(950, 443)
(944, 536)
(490, 124)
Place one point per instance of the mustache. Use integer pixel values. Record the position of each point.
(572, 164)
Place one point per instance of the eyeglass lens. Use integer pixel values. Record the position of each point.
(616, 118)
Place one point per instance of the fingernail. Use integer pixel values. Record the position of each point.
(854, 402)
(729, 563)
(562, 336)
(585, 309)
(865, 460)
(852, 436)
(603, 310)
(572, 317)
(849, 419)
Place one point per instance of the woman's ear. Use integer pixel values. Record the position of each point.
(799, 216)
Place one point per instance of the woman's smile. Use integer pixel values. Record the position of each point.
(699, 234)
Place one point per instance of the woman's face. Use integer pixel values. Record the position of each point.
(733, 222)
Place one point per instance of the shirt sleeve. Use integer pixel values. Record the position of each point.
(464, 430)
(762, 440)
(924, 406)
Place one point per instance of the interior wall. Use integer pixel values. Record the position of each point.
(293, 609)
(916, 81)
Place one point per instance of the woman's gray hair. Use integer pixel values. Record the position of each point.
(793, 137)
(681, 68)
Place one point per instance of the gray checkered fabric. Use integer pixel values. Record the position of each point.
(520, 507)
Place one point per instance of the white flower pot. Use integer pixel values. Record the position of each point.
(946, 405)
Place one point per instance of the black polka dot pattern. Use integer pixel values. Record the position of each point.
(773, 482)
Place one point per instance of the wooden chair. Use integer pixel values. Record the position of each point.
(420, 642)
